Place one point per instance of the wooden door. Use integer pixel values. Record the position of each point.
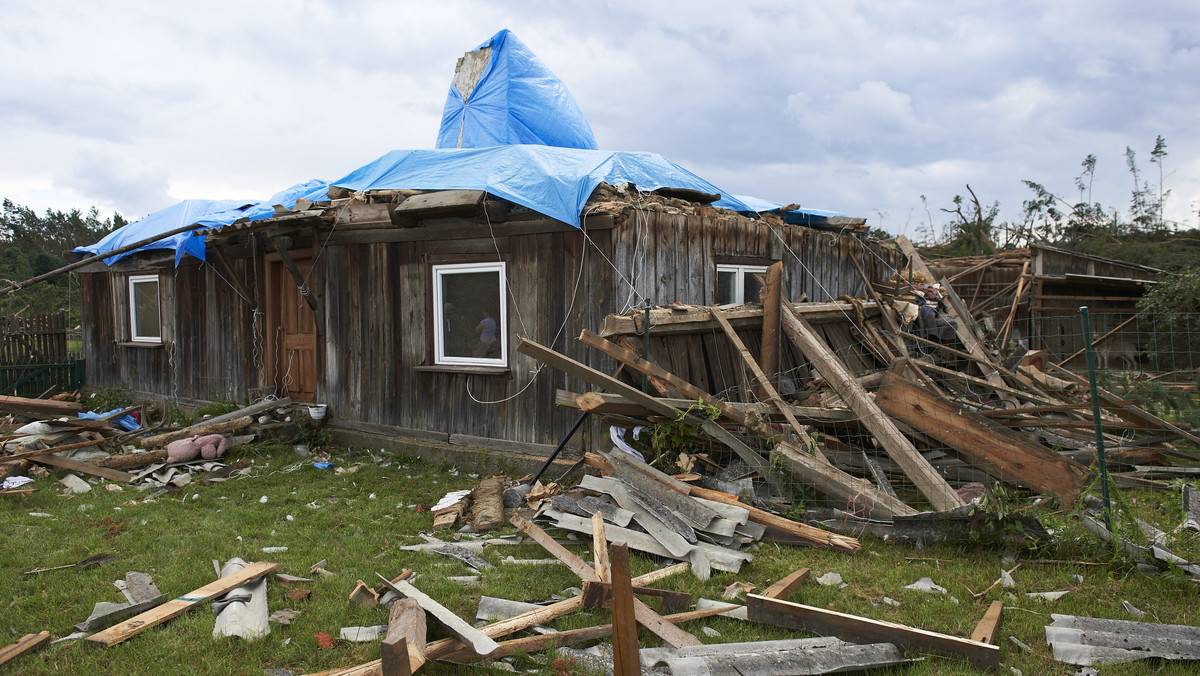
(292, 333)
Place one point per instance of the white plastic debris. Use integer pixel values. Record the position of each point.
(363, 634)
(290, 517)
(1006, 579)
(74, 484)
(709, 631)
(38, 514)
(1129, 607)
(16, 482)
(274, 550)
(263, 499)
(1048, 596)
(891, 602)
(832, 580)
(927, 585)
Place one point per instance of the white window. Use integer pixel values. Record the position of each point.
(736, 284)
(470, 323)
(145, 322)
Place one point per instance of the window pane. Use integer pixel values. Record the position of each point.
(752, 287)
(145, 309)
(471, 325)
(726, 287)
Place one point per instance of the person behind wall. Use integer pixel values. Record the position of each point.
(486, 328)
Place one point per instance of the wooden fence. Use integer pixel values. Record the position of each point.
(35, 355)
(33, 340)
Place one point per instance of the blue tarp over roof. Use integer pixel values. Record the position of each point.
(201, 214)
(758, 206)
(517, 100)
(554, 181)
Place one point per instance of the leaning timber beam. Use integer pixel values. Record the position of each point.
(898, 447)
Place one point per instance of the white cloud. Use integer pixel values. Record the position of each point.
(859, 106)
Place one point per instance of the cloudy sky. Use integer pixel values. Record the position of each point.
(859, 107)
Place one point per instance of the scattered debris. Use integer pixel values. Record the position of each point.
(1086, 641)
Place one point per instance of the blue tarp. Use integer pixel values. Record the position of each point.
(201, 214)
(517, 100)
(311, 190)
(759, 206)
(553, 181)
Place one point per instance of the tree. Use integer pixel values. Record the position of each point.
(32, 245)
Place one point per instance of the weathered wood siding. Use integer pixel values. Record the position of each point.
(672, 257)
(207, 350)
(376, 328)
(375, 291)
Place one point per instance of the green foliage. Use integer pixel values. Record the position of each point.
(216, 407)
(669, 439)
(109, 398)
(1174, 298)
(33, 244)
(314, 434)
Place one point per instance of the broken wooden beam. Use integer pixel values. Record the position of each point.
(402, 651)
(987, 445)
(624, 621)
(178, 606)
(227, 427)
(594, 377)
(26, 644)
(458, 628)
(985, 631)
(896, 445)
(784, 588)
(646, 616)
(864, 630)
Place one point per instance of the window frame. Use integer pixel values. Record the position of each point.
(438, 358)
(739, 287)
(131, 283)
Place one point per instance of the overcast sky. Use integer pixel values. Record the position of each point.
(859, 107)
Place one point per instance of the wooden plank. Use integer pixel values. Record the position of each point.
(670, 321)
(176, 607)
(864, 630)
(859, 494)
(771, 299)
(646, 616)
(985, 631)
(896, 445)
(962, 328)
(985, 444)
(763, 382)
(626, 660)
(84, 468)
(534, 644)
(600, 548)
(25, 644)
(403, 649)
(594, 377)
(457, 627)
(783, 588)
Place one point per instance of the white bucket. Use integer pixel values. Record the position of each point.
(317, 411)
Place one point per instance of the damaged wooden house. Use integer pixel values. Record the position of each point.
(396, 294)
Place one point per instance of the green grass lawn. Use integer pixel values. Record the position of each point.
(357, 521)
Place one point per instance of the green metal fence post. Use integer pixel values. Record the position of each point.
(1100, 456)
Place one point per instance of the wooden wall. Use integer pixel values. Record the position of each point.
(207, 342)
(374, 292)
